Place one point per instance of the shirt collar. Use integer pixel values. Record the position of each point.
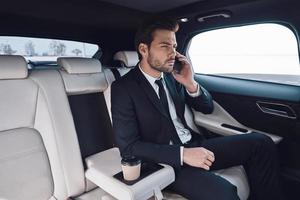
(151, 79)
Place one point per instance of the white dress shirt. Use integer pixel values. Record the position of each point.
(183, 133)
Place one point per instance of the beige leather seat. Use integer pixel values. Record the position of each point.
(36, 162)
(128, 60)
(84, 83)
(24, 165)
(39, 152)
(235, 175)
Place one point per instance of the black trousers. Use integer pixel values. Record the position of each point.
(256, 152)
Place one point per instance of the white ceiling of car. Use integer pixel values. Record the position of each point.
(152, 5)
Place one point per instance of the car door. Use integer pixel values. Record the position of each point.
(254, 102)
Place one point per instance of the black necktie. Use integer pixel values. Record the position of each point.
(164, 101)
(163, 96)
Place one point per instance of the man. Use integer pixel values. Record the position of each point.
(148, 121)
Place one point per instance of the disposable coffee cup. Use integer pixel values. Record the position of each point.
(131, 167)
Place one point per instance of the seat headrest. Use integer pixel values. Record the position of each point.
(13, 67)
(129, 58)
(78, 65)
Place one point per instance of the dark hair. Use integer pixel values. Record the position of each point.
(145, 32)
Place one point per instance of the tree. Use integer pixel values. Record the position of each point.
(77, 52)
(6, 49)
(57, 48)
(29, 48)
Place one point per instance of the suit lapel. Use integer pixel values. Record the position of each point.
(148, 89)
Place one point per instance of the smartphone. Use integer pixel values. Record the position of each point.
(177, 65)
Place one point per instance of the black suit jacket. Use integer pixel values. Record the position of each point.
(139, 121)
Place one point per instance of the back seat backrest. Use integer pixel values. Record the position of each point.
(64, 148)
(24, 165)
(124, 61)
(127, 59)
(35, 162)
(85, 83)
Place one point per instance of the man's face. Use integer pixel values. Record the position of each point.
(162, 51)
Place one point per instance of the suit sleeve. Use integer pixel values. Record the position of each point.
(202, 103)
(126, 131)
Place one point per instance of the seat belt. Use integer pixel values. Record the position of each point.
(116, 73)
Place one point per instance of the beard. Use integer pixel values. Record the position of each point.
(157, 65)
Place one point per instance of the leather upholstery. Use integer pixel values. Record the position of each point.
(39, 151)
(129, 58)
(13, 67)
(24, 167)
(78, 65)
(84, 83)
(55, 122)
(102, 167)
(18, 103)
(82, 75)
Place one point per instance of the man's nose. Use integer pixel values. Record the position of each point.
(173, 52)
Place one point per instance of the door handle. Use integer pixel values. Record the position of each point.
(277, 109)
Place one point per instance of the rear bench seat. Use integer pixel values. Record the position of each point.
(85, 83)
(40, 156)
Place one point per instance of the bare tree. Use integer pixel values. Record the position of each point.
(29, 48)
(57, 48)
(1, 48)
(6, 49)
(77, 52)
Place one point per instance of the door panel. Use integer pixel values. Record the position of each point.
(270, 108)
(251, 88)
(241, 99)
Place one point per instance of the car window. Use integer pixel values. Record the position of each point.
(38, 50)
(265, 52)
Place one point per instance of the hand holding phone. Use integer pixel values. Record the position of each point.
(183, 73)
(177, 66)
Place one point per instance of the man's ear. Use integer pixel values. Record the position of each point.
(143, 49)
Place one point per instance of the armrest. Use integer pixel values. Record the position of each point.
(219, 116)
(104, 165)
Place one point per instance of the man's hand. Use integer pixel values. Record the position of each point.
(198, 157)
(186, 75)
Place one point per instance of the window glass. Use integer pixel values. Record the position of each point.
(37, 49)
(261, 51)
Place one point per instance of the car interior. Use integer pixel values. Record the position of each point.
(56, 136)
